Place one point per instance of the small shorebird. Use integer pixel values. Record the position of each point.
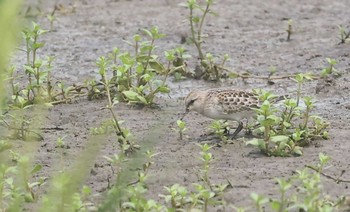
(225, 104)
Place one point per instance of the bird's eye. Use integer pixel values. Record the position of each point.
(190, 103)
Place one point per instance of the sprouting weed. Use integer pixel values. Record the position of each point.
(208, 68)
(181, 128)
(330, 69)
(343, 34)
(123, 136)
(221, 129)
(287, 128)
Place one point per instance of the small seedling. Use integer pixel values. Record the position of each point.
(51, 17)
(221, 129)
(343, 35)
(259, 201)
(330, 70)
(196, 23)
(289, 29)
(177, 58)
(123, 135)
(206, 157)
(181, 128)
(208, 68)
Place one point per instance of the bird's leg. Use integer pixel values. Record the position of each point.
(238, 129)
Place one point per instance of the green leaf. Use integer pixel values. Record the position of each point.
(170, 56)
(259, 199)
(331, 61)
(323, 158)
(148, 33)
(287, 124)
(275, 205)
(131, 95)
(37, 45)
(163, 89)
(279, 138)
(29, 69)
(255, 142)
(36, 169)
(298, 150)
(142, 99)
(195, 19)
(137, 38)
(284, 185)
(158, 67)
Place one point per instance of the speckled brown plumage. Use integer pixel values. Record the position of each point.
(226, 104)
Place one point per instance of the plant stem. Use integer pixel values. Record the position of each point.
(194, 39)
(145, 66)
(306, 116)
(298, 93)
(110, 107)
(33, 64)
(267, 138)
(199, 32)
(281, 209)
(205, 205)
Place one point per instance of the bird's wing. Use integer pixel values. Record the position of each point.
(233, 101)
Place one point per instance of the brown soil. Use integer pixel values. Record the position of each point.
(253, 34)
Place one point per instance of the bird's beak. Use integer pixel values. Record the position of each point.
(183, 116)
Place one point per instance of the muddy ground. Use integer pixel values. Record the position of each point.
(253, 34)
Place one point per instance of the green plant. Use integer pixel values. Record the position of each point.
(123, 135)
(136, 77)
(205, 193)
(272, 143)
(178, 58)
(181, 128)
(302, 192)
(196, 31)
(39, 87)
(343, 35)
(221, 129)
(14, 191)
(213, 70)
(135, 199)
(64, 201)
(259, 201)
(33, 67)
(177, 196)
(206, 158)
(9, 198)
(330, 70)
(19, 126)
(287, 128)
(51, 17)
